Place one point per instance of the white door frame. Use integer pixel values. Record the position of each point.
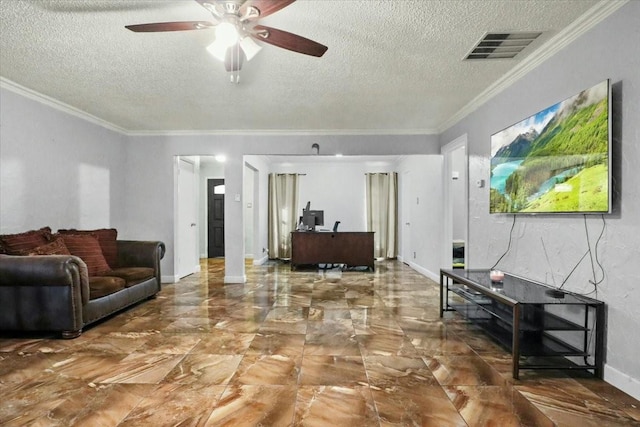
(446, 151)
(406, 194)
(259, 257)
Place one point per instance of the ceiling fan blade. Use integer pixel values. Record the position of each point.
(210, 5)
(266, 7)
(288, 41)
(169, 26)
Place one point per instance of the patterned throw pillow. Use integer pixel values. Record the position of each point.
(57, 247)
(87, 248)
(15, 244)
(106, 237)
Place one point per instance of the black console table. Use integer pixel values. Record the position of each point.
(543, 329)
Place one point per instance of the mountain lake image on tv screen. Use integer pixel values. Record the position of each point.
(556, 161)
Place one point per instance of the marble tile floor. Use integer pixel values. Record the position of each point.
(303, 348)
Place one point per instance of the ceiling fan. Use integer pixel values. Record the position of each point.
(236, 29)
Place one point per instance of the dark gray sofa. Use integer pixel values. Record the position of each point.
(52, 292)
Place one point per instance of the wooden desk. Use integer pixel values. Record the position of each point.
(324, 247)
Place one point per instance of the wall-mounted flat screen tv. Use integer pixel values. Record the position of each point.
(557, 160)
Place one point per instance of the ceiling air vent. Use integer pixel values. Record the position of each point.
(501, 45)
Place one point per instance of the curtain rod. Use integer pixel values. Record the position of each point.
(299, 174)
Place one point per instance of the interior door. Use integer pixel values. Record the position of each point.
(215, 218)
(187, 255)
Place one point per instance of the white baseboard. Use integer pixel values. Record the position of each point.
(235, 279)
(261, 261)
(424, 272)
(624, 382)
(169, 279)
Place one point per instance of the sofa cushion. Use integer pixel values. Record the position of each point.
(132, 275)
(88, 249)
(107, 238)
(100, 286)
(56, 247)
(13, 244)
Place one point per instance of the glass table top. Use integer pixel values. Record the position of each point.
(518, 289)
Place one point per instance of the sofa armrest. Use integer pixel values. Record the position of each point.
(44, 270)
(42, 292)
(138, 253)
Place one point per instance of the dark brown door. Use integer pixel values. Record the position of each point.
(215, 217)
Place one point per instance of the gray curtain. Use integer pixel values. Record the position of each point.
(382, 212)
(283, 215)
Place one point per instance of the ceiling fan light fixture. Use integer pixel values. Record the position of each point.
(218, 50)
(249, 47)
(235, 24)
(227, 34)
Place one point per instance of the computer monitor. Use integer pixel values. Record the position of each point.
(313, 218)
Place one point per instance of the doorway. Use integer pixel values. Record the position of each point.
(215, 218)
(456, 203)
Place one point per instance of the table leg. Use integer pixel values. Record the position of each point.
(515, 341)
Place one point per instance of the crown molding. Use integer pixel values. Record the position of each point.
(278, 132)
(73, 111)
(584, 23)
(58, 105)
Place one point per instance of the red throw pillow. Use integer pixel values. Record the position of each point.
(87, 248)
(15, 244)
(57, 247)
(106, 237)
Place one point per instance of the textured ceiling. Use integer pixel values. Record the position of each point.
(392, 66)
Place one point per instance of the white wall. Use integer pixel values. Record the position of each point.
(609, 50)
(335, 186)
(57, 170)
(260, 207)
(425, 215)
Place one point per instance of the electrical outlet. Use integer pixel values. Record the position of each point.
(414, 255)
